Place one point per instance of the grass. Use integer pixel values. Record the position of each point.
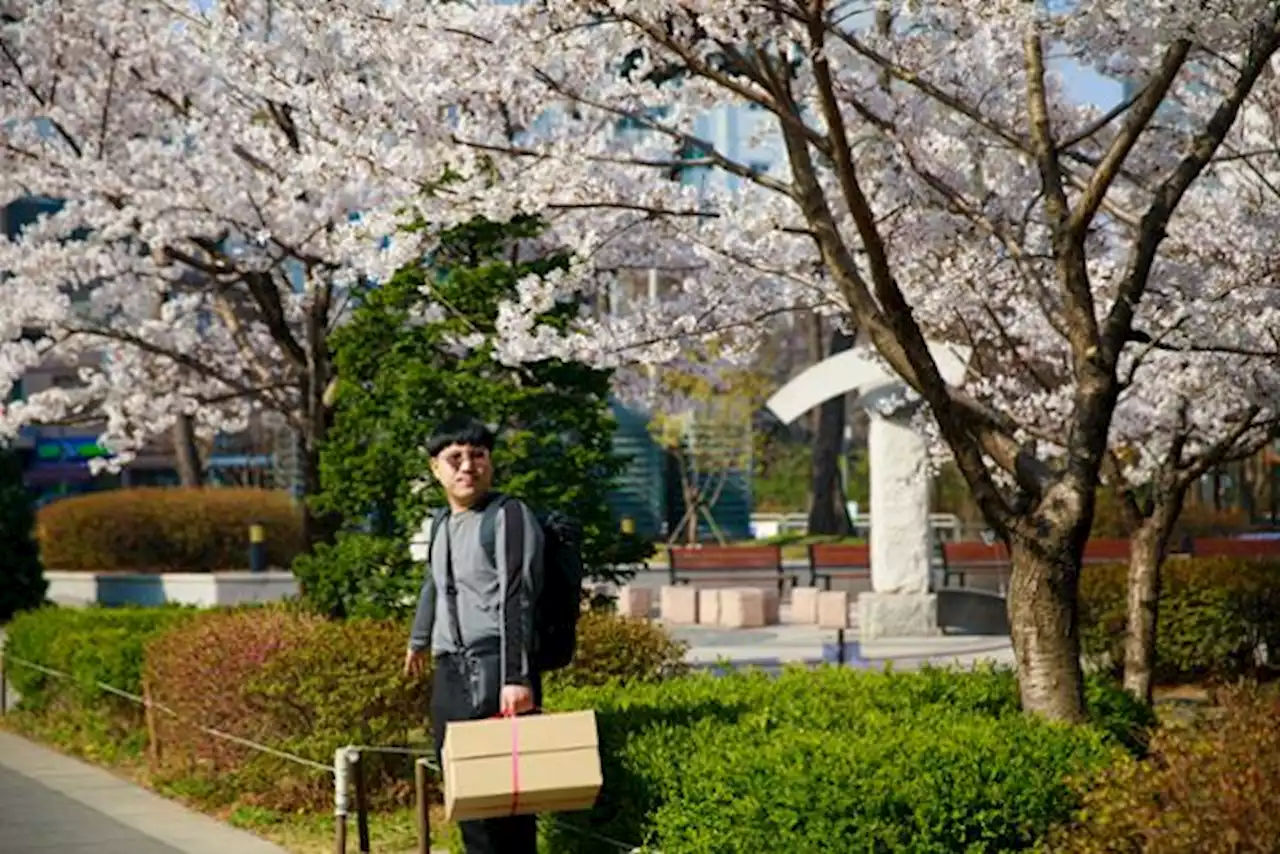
(389, 833)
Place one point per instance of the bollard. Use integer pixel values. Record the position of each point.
(424, 806)
(257, 548)
(840, 647)
(340, 786)
(362, 805)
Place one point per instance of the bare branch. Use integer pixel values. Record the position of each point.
(1262, 46)
(1153, 95)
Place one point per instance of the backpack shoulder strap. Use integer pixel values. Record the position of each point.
(489, 525)
(437, 519)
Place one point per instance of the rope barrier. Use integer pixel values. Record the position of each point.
(151, 704)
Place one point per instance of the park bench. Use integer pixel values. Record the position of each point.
(1234, 547)
(963, 559)
(1106, 550)
(828, 561)
(731, 564)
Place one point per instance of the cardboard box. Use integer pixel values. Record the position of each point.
(679, 605)
(709, 607)
(522, 765)
(833, 609)
(742, 608)
(804, 605)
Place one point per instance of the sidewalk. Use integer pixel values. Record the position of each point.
(52, 803)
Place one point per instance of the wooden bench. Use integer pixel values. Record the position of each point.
(968, 558)
(1106, 550)
(1233, 547)
(727, 564)
(830, 560)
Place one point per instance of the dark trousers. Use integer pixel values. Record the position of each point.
(452, 699)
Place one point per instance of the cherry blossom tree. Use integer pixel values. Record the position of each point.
(223, 174)
(932, 168)
(970, 199)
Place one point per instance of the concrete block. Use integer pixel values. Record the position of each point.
(833, 609)
(897, 615)
(679, 605)
(804, 605)
(742, 608)
(709, 607)
(635, 601)
(772, 606)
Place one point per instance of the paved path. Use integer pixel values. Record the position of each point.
(52, 803)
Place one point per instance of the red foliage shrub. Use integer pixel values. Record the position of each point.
(1207, 788)
(290, 681)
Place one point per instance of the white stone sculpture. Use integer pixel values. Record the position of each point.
(900, 603)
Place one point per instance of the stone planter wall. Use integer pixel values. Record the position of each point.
(189, 588)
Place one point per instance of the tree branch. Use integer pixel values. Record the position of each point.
(1119, 321)
(1153, 95)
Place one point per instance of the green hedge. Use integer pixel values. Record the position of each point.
(835, 760)
(94, 645)
(1216, 616)
(167, 529)
(269, 673)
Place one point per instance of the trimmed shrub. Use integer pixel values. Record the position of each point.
(625, 649)
(1216, 615)
(93, 645)
(360, 575)
(1194, 521)
(1207, 788)
(291, 681)
(167, 529)
(830, 760)
(22, 584)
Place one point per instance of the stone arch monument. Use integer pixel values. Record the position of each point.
(901, 603)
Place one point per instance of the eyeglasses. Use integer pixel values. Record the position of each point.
(454, 459)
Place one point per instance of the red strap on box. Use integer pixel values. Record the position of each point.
(515, 758)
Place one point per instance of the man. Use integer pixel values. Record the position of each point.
(481, 642)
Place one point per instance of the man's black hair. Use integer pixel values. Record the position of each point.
(460, 431)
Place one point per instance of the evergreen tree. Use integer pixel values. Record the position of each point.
(404, 366)
(22, 584)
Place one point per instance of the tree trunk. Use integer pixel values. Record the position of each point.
(1043, 619)
(185, 452)
(317, 527)
(827, 511)
(1147, 548)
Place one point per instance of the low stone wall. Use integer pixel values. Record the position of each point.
(189, 588)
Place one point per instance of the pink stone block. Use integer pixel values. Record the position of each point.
(772, 604)
(742, 608)
(679, 605)
(833, 609)
(709, 607)
(804, 605)
(635, 601)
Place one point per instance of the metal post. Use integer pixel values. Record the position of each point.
(362, 806)
(424, 807)
(257, 548)
(340, 787)
(840, 647)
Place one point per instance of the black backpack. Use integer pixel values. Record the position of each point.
(559, 604)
